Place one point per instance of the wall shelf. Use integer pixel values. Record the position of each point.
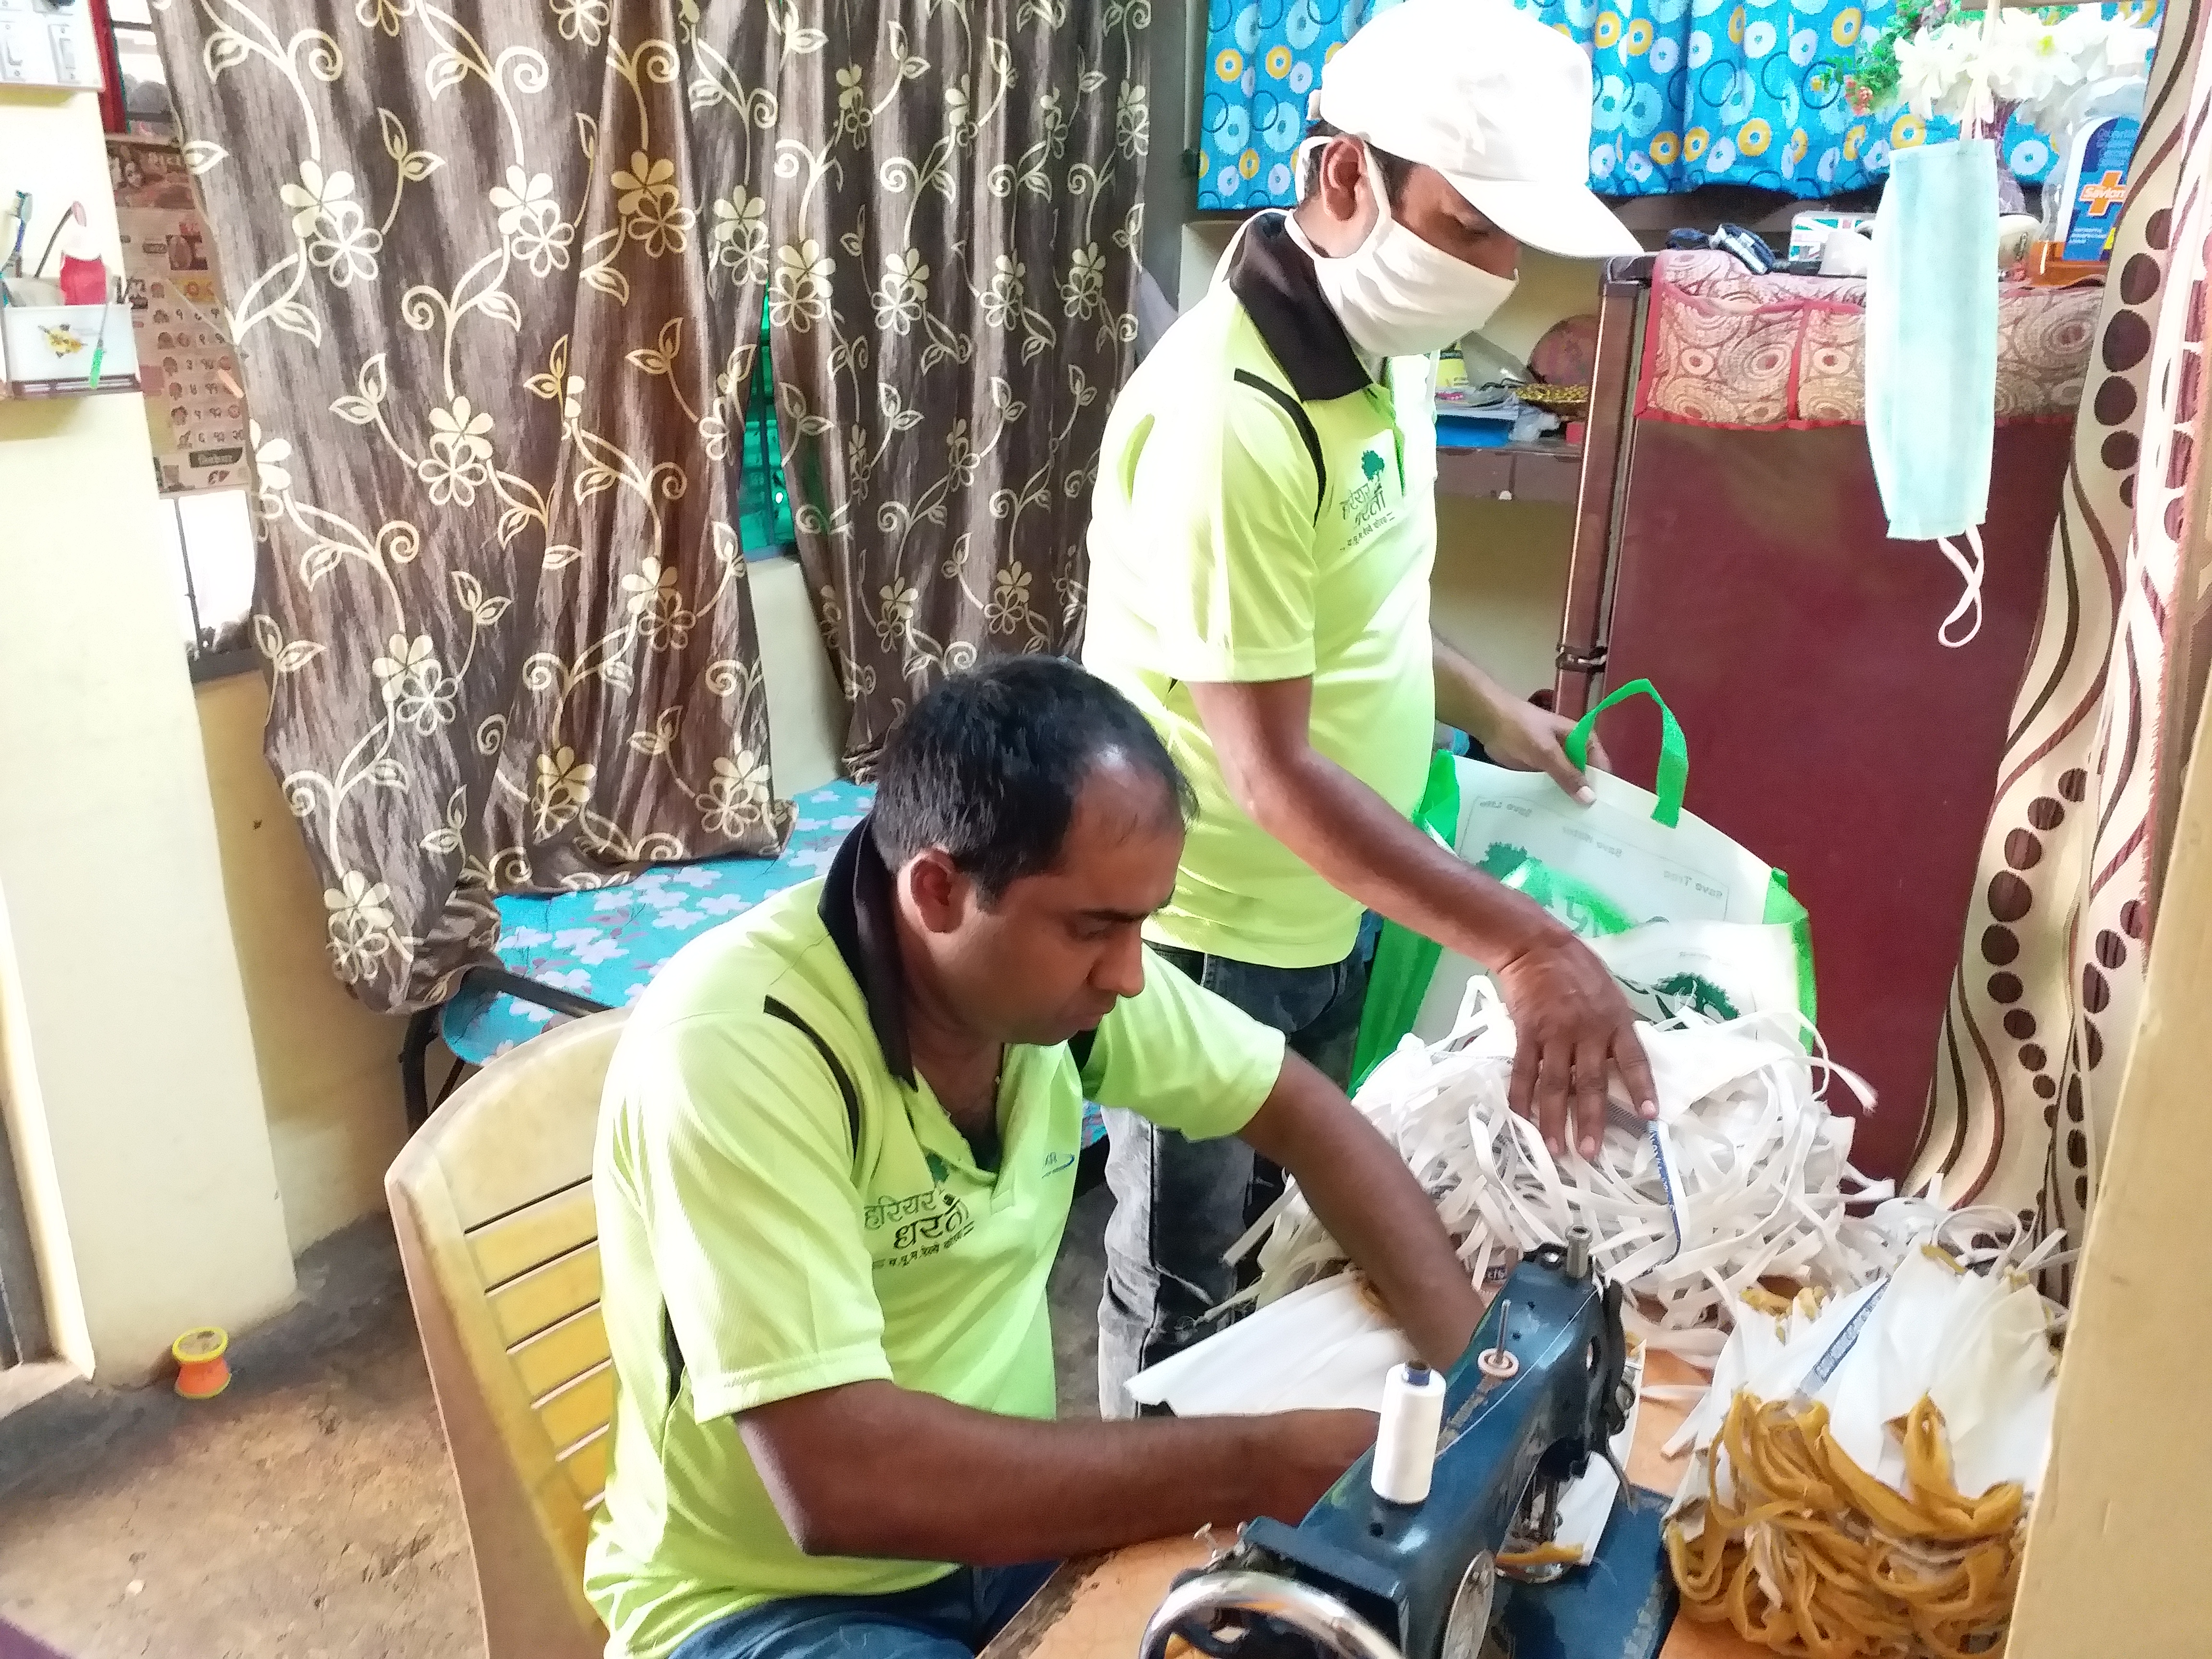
(12, 390)
(1707, 208)
(1547, 470)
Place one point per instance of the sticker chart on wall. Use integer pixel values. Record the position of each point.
(1686, 93)
(195, 410)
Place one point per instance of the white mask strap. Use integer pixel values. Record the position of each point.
(1969, 569)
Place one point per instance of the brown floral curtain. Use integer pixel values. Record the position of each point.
(940, 202)
(501, 590)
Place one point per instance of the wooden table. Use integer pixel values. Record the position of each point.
(1097, 1608)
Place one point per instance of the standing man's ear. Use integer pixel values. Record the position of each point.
(1344, 186)
(936, 890)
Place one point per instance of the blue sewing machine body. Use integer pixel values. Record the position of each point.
(1538, 1393)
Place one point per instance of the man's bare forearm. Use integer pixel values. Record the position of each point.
(872, 1469)
(1351, 837)
(1465, 697)
(1371, 1205)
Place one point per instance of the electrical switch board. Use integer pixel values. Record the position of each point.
(48, 43)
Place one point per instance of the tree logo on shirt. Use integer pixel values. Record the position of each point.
(1367, 507)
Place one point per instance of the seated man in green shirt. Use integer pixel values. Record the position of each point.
(835, 1160)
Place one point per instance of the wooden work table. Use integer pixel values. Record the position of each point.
(1097, 1608)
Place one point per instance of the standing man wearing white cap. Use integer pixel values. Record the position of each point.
(1261, 541)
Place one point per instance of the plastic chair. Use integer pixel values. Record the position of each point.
(492, 1201)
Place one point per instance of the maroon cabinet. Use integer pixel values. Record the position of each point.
(1749, 576)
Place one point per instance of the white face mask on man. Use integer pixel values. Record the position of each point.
(1398, 297)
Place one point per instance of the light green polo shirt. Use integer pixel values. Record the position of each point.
(745, 1237)
(1217, 554)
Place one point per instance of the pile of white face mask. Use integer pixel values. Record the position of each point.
(1864, 1465)
(1331, 1345)
(1745, 1173)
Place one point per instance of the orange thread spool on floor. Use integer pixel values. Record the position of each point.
(202, 1370)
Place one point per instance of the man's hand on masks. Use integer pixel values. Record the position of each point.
(1575, 1029)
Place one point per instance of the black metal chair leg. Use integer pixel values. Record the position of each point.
(414, 1056)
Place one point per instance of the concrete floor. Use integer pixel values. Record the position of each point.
(308, 1512)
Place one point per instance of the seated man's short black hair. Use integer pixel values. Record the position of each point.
(987, 766)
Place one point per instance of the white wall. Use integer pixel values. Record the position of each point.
(130, 1077)
(2117, 1540)
(328, 1065)
(805, 711)
(1500, 581)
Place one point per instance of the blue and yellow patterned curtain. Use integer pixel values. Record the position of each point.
(1689, 93)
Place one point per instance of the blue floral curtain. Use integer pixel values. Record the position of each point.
(1689, 93)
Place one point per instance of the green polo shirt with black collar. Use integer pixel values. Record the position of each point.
(784, 1207)
(1266, 510)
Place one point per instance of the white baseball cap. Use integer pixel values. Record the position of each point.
(1496, 101)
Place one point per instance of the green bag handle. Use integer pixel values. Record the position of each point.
(1674, 751)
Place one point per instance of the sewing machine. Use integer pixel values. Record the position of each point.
(1539, 1393)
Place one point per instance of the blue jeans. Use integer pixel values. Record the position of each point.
(1179, 1203)
(949, 1619)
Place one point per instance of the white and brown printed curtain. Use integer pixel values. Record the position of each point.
(2043, 1010)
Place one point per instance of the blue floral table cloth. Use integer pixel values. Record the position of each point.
(608, 943)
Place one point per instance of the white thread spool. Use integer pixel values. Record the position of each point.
(1405, 1444)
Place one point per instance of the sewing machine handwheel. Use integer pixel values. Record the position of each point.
(1283, 1617)
(1468, 1622)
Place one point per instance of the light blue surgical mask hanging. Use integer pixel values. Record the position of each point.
(1931, 356)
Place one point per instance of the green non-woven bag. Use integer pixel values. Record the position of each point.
(1404, 961)
(1590, 902)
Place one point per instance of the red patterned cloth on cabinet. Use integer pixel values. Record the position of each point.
(1725, 347)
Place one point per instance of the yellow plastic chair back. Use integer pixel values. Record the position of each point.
(492, 1201)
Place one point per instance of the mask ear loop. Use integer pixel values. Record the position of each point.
(1971, 570)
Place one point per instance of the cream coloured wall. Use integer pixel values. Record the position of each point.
(1500, 580)
(1550, 289)
(328, 1066)
(2116, 1545)
(130, 1084)
(805, 712)
(1501, 574)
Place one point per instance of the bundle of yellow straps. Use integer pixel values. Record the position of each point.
(1809, 1555)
